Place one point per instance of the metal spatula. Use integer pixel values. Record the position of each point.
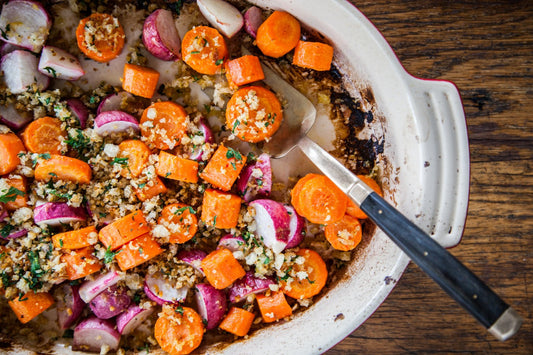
(454, 278)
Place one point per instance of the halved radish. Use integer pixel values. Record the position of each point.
(249, 284)
(20, 72)
(91, 289)
(211, 303)
(222, 15)
(6, 48)
(109, 122)
(256, 179)
(231, 242)
(160, 35)
(57, 213)
(253, 18)
(132, 318)
(296, 226)
(79, 110)
(113, 102)
(273, 223)
(58, 63)
(161, 290)
(204, 131)
(25, 23)
(14, 119)
(92, 334)
(110, 302)
(193, 258)
(69, 305)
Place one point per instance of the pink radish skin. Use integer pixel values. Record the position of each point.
(14, 119)
(206, 132)
(273, 223)
(57, 213)
(6, 48)
(222, 15)
(113, 102)
(162, 291)
(253, 18)
(109, 122)
(29, 24)
(79, 110)
(110, 302)
(160, 35)
(132, 318)
(91, 289)
(20, 72)
(256, 179)
(69, 305)
(231, 242)
(93, 333)
(58, 63)
(193, 258)
(249, 284)
(3, 212)
(16, 234)
(211, 303)
(297, 228)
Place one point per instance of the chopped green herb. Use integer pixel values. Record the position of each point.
(179, 310)
(79, 142)
(176, 6)
(141, 185)
(220, 61)
(232, 153)
(121, 161)
(195, 52)
(110, 255)
(22, 298)
(51, 70)
(11, 195)
(183, 209)
(52, 174)
(5, 31)
(214, 221)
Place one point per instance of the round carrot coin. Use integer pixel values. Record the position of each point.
(179, 330)
(253, 114)
(44, 136)
(163, 124)
(310, 276)
(203, 48)
(321, 201)
(345, 234)
(100, 37)
(10, 147)
(180, 220)
(279, 34)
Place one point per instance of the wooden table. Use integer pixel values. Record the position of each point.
(486, 48)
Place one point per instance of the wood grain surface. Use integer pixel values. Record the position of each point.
(485, 48)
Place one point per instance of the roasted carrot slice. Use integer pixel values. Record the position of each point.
(220, 209)
(163, 124)
(313, 55)
(80, 263)
(59, 167)
(296, 191)
(253, 114)
(138, 251)
(278, 34)
(244, 70)
(204, 49)
(352, 209)
(76, 239)
(150, 189)
(180, 220)
(137, 154)
(44, 135)
(19, 183)
(273, 307)
(10, 147)
(345, 234)
(316, 273)
(123, 230)
(176, 168)
(139, 80)
(223, 168)
(238, 321)
(30, 305)
(221, 268)
(100, 37)
(179, 330)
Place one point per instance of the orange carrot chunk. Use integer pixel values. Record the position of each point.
(245, 70)
(223, 168)
(139, 80)
(221, 268)
(76, 239)
(59, 167)
(19, 183)
(313, 55)
(31, 305)
(176, 168)
(44, 135)
(80, 263)
(179, 330)
(138, 251)
(273, 307)
(181, 222)
(137, 154)
(100, 37)
(345, 234)
(238, 321)
(163, 124)
(146, 191)
(316, 273)
(352, 209)
(203, 48)
(123, 230)
(278, 34)
(253, 114)
(220, 209)
(10, 147)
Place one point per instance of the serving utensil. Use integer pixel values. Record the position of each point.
(449, 273)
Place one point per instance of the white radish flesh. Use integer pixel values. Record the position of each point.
(253, 18)
(114, 102)
(222, 15)
(58, 63)
(211, 304)
(20, 72)
(14, 119)
(69, 305)
(161, 290)
(249, 284)
(109, 122)
(91, 289)
(93, 333)
(231, 242)
(256, 179)
(132, 318)
(207, 134)
(272, 222)
(160, 35)
(57, 213)
(297, 228)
